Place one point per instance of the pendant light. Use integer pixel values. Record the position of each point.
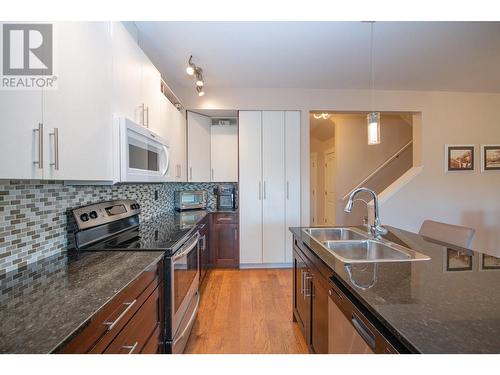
(373, 118)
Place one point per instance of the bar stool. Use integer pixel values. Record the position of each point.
(452, 234)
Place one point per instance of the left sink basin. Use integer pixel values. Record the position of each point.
(335, 234)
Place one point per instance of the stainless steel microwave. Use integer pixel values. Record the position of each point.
(190, 200)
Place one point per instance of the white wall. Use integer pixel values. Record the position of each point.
(469, 198)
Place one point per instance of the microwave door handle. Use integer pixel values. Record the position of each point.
(167, 161)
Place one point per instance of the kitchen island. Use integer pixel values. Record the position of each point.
(448, 304)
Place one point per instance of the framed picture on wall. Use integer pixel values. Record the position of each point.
(458, 261)
(490, 158)
(459, 158)
(489, 262)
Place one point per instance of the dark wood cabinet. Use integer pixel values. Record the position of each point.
(310, 302)
(225, 240)
(131, 321)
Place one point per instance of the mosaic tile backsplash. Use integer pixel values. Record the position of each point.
(33, 214)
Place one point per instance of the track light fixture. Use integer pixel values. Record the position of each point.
(323, 116)
(195, 71)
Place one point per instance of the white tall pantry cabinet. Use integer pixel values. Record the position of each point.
(269, 188)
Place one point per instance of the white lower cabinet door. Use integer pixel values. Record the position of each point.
(273, 176)
(250, 186)
(21, 139)
(224, 153)
(77, 115)
(198, 147)
(292, 177)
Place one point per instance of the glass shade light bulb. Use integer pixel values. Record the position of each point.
(190, 70)
(373, 120)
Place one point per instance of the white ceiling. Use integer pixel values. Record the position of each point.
(454, 56)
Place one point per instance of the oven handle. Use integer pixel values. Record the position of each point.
(190, 247)
(193, 317)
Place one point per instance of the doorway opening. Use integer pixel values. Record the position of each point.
(341, 160)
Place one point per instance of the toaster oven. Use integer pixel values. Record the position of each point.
(190, 200)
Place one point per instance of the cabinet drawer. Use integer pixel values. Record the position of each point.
(112, 317)
(135, 335)
(225, 218)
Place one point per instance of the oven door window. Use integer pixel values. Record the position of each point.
(185, 273)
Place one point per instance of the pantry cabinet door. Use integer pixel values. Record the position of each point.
(77, 115)
(198, 147)
(273, 175)
(292, 176)
(224, 153)
(250, 186)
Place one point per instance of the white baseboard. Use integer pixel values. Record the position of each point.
(265, 265)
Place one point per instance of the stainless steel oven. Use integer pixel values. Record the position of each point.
(183, 274)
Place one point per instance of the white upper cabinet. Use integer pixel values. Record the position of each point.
(198, 147)
(151, 93)
(21, 142)
(224, 153)
(136, 81)
(77, 115)
(127, 74)
(173, 129)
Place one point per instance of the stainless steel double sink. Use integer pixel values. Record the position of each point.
(351, 245)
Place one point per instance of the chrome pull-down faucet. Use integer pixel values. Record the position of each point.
(376, 229)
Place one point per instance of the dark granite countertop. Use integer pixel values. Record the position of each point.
(449, 304)
(41, 305)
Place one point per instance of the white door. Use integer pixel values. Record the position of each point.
(292, 177)
(330, 188)
(20, 114)
(198, 147)
(224, 150)
(313, 167)
(127, 74)
(250, 186)
(77, 115)
(273, 177)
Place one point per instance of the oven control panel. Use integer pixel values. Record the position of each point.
(105, 212)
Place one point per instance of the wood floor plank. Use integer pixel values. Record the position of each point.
(246, 311)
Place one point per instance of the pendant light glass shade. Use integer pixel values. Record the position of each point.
(373, 120)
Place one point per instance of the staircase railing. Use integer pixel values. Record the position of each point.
(382, 166)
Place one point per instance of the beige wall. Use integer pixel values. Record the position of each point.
(469, 198)
(356, 159)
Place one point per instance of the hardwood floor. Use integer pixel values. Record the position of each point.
(246, 311)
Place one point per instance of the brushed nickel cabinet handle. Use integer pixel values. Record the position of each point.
(131, 347)
(147, 116)
(55, 134)
(112, 324)
(260, 190)
(39, 162)
(190, 173)
(235, 235)
(264, 189)
(287, 190)
(212, 174)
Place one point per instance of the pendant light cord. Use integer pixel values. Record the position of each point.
(372, 74)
